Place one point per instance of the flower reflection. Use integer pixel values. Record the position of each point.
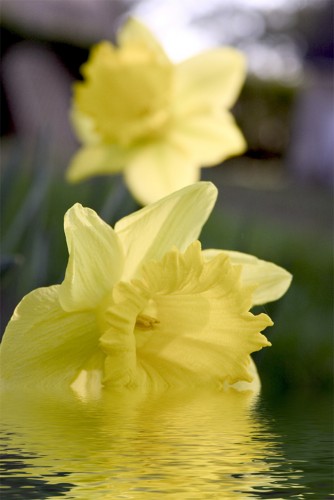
(129, 446)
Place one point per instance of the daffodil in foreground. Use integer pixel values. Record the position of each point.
(141, 306)
(158, 122)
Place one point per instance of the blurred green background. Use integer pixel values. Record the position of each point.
(274, 202)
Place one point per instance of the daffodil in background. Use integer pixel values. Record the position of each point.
(141, 306)
(157, 122)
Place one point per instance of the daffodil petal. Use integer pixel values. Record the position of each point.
(96, 159)
(158, 170)
(135, 33)
(204, 332)
(215, 76)
(175, 220)
(95, 259)
(210, 137)
(43, 345)
(270, 281)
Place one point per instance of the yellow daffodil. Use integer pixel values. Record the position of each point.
(158, 122)
(142, 306)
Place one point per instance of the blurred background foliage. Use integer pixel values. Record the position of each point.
(275, 201)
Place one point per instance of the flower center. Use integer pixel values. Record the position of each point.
(146, 322)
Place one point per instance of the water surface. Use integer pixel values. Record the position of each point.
(177, 446)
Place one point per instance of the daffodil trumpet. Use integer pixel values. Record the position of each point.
(143, 307)
(158, 122)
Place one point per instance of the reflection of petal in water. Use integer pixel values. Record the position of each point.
(181, 444)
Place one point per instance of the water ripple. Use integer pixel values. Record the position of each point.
(180, 446)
